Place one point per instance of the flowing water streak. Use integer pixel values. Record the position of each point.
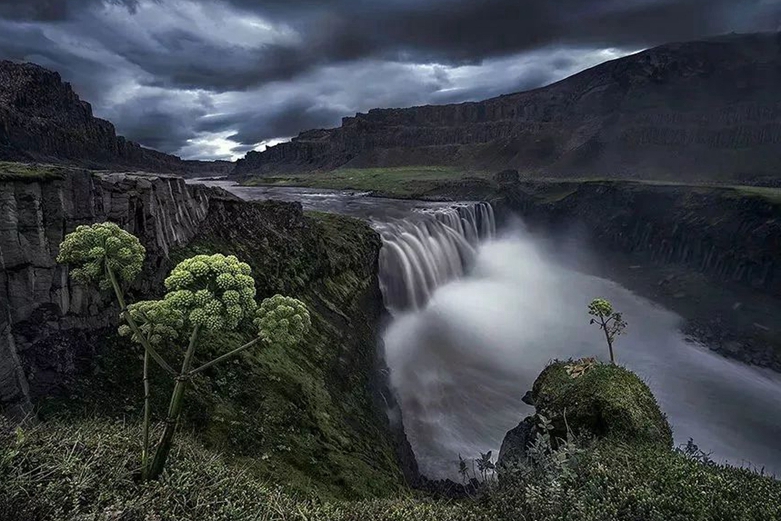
(423, 252)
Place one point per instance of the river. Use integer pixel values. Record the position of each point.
(478, 314)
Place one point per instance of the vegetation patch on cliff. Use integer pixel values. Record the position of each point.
(31, 171)
(401, 182)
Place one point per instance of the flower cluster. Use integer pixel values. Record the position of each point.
(600, 307)
(282, 320)
(213, 291)
(93, 249)
(157, 321)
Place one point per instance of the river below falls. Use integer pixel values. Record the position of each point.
(461, 361)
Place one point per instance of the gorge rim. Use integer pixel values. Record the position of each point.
(478, 312)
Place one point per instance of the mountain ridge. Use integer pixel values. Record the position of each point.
(692, 111)
(43, 120)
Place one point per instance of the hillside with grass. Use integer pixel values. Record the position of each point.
(611, 460)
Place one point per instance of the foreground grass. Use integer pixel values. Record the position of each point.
(87, 470)
(60, 470)
(397, 182)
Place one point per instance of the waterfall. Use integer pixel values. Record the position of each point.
(428, 249)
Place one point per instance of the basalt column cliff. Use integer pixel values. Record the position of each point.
(698, 111)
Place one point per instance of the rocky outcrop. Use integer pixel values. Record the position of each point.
(44, 314)
(704, 110)
(604, 401)
(43, 120)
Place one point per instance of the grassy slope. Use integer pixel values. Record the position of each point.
(410, 182)
(84, 470)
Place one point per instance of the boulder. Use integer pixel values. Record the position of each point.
(604, 401)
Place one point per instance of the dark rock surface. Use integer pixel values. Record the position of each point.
(43, 313)
(515, 443)
(705, 110)
(43, 120)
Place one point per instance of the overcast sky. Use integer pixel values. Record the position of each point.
(212, 79)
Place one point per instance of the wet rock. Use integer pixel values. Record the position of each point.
(515, 443)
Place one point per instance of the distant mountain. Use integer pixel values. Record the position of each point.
(698, 111)
(43, 120)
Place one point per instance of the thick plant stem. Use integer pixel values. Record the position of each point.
(609, 341)
(134, 327)
(147, 408)
(174, 410)
(225, 356)
(147, 412)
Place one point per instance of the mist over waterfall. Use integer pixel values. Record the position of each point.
(479, 316)
(432, 247)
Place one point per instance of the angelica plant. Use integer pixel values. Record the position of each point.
(206, 293)
(215, 293)
(105, 254)
(609, 321)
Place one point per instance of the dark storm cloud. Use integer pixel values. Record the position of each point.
(467, 31)
(444, 31)
(54, 10)
(160, 121)
(90, 77)
(284, 119)
(172, 73)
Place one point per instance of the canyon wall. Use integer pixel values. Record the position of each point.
(729, 235)
(712, 254)
(43, 314)
(693, 111)
(43, 120)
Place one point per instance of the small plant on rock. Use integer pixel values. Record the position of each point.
(609, 321)
(463, 469)
(213, 293)
(485, 465)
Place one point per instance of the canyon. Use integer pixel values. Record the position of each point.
(704, 111)
(699, 118)
(42, 120)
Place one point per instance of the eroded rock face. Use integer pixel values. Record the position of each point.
(44, 314)
(42, 119)
(693, 111)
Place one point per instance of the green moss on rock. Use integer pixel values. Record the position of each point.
(605, 401)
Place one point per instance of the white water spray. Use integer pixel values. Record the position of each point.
(462, 361)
